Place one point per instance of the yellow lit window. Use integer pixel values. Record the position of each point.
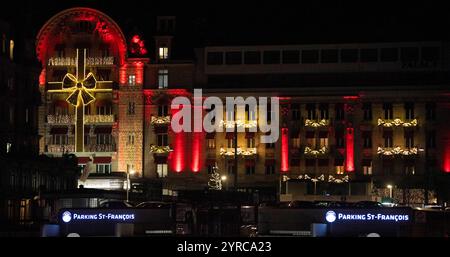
(163, 53)
(339, 170)
(11, 49)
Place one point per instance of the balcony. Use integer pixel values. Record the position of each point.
(60, 119)
(397, 151)
(100, 148)
(160, 149)
(239, 123)
(160, 120)
(241, 152)
(315, 152)
(98, 119)
(317, 123)
(397, 123)
(60, 148)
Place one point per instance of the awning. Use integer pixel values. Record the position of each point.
(58, 130)
(103, 130)
(83, 160)
(103, 159)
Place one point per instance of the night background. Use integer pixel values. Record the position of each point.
(364, 112)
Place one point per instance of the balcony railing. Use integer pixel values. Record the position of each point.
(397, 151)
(60, 119)
(239, 123)
(160, 149)
(60, 148)
(397, 122)
(315, 152)
(317, 123)
(99, 118)
(100, 148)
(160, 120)
(240, 151)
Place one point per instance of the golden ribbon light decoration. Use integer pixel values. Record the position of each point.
(79, 88)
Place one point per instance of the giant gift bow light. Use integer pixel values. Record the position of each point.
(80, 88)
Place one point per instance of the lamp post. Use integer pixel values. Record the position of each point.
(129, 172)
(390, 190)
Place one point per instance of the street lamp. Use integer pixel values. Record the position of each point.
(129, 172)
(390, 190)
(224, 179)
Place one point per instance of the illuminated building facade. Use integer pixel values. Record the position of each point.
(370, 113)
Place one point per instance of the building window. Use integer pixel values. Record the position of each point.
(431, 139)
(250, 142)
(329, 56)
(163, 79)
(388, 142)
(369, 55)
(11, 49)
(388, 111)
(252, 57)
(130, 168)
(409, 54)
(367, 111)
(27, 115)
(340, 169)
(291, 56)
(409, 111)
(311, 110)
(233, 58)
(3, 43)
(339, 136)
(101, 110)
(349, 55)
(104, 139)
(367, 167)
(339, 112)
(87, 139)
(323, 108)
(103, 168)
(161, 169)
(131, 109)
(210, 168)
(211, 143)
(250, 170)
(11, 115)
(310, 139)
(367, 139)
(296, 142)
(310, 56)
(230, 169)
(8, 147)
(162, 110)
(389, 54)
(409, 139)
(130, 139)
(296, 114)
(214, 58)
(271, 57)
(162, 140)
(310, 163)
(131, 80)
(410, 169)
(323, 141)
(163, 53)
(230, 142)
(430, 111)
(60, 139)
(270, 169)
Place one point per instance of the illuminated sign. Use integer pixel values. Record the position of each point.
(68, 216)
(368, 216)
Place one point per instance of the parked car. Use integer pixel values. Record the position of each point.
(368, 204)
(115, 204)
(301, 204)
(154, 205)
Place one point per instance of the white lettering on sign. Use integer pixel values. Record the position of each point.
(368, 217)
(103, 216)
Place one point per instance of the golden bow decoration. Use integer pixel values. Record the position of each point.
(79, 88)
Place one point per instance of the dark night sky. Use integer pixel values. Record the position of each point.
(257, 22)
